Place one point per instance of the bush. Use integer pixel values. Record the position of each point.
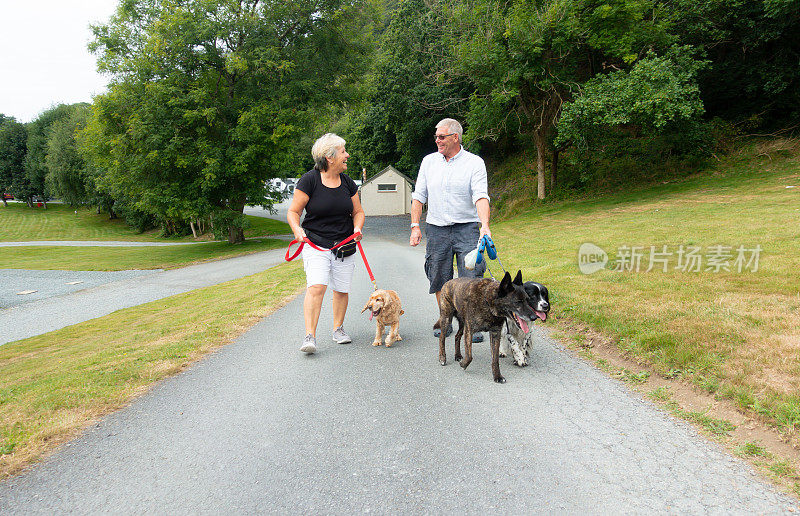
(223, 220)
(137, 219)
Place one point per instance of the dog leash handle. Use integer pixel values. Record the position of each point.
(289, 257)
(289, 249)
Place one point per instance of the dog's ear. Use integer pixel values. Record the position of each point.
(518, 278)
(505, 286)
(368, 305)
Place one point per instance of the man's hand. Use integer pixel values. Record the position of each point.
(485, 231)
(416, 236)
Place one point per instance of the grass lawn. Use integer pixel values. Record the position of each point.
(735, 334)
(53, 385)
(126, 258)
(18, 223)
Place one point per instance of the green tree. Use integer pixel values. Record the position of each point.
(210, 98)
(527, 58)
(67, 176)
(13, 145)
(36, 157)
(754, 50)
(656, 93)
(408, 92)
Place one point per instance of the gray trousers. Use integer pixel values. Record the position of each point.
(446, 242)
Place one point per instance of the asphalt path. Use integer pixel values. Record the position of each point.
(260, 427)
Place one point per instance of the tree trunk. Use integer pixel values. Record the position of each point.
(554, 170)
(236, 235)
(541, 151)
(191, 225)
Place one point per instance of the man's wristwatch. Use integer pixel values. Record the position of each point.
(415, 224)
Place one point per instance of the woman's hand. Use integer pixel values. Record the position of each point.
(299, 234)
(357, 229)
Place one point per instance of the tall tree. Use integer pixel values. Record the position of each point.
(66, 168)
(13, 145)
(36, 157)
(210, 97)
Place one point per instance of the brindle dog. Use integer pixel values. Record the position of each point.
(481, 305)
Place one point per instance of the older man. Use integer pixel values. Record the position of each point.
(453, 183)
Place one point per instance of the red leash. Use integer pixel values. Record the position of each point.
(340, 244)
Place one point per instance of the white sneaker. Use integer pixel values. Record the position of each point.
(340, 336)
(309, 344)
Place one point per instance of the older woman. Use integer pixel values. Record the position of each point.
(333, 213)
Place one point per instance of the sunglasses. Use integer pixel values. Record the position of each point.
(439, 137)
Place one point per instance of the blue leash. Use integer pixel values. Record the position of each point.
(486, 244)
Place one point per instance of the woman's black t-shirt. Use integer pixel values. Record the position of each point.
(329, 211)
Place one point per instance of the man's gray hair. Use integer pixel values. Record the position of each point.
(326, 146)
(452, 126)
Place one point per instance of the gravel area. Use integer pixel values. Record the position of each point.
(395, 229)
(54, 283)
(57, 311)
(94, 243)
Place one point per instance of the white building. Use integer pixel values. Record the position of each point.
(387, 193)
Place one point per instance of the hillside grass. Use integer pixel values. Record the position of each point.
(734, 334)
(19, 223)
(54, 385)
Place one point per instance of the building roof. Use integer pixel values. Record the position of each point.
(385, 170)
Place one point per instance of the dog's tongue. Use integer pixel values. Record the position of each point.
(370, 315)
(542, 316)
(522, 324)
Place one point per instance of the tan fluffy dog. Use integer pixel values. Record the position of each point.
(384, 305)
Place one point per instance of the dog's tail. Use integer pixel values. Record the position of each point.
(402, 311)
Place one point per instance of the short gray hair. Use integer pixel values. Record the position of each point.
(326, 147)
(453, 126)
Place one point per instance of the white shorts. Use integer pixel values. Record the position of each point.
(323, 268)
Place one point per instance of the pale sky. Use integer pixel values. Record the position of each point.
(43, 55)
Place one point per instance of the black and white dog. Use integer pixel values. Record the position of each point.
(518, 338)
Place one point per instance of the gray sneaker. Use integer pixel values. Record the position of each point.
(340, 336)
(309, 344)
